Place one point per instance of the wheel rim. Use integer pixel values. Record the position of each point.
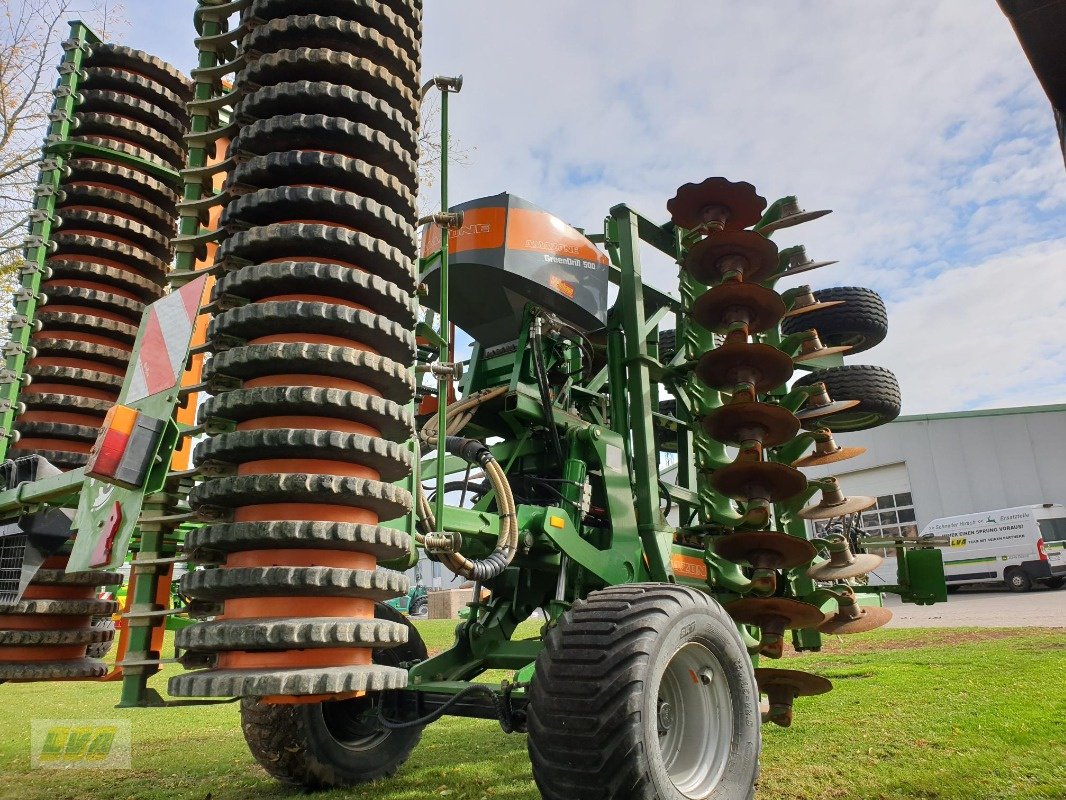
(350, 723)
(854, 421)
(695, 720)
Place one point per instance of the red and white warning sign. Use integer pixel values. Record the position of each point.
(165, 339)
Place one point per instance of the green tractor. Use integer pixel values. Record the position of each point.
(276, 411)
(415, 603)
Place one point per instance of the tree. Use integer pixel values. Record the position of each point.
(31, 32)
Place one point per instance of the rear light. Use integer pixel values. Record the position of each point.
(127, 445)
(1040, 549)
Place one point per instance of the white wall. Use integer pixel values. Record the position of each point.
(964, 464)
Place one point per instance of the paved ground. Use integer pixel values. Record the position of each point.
(984, 608)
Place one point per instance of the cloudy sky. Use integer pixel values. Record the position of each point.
(919, 122)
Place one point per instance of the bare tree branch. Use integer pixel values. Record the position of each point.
(30, 36)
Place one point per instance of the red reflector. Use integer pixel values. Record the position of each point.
(109, 450)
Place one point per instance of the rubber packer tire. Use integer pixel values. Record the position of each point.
(75, 377)
(326, 207)
(51, 401)
(115, 199)
(100, 649)
(98, 222)
(87, 323)
(123, 146)
(297, 241)
(379, 16)
(389, 377)
(667, 344)
(313, 97)
(331, 66)
(260, 281)
(94, 298)
(323, 169)
(73, 268)
(127, 129)
(134, 85)
(88, 351)
(333, 33)
(72, 244)
(92, 170)
(117, 56)
(389, 460)
(393, 421)
(596, 687)
(384, 499)
(386, 337)
(861, 323)
(298, 745)
(142, 111)
(876, 389)
(319, 132)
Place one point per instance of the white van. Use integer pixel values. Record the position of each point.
(1018, 546)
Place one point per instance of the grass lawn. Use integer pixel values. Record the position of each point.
(951, 714)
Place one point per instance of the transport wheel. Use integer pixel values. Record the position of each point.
(1018, 581)
(861, 322)
(876, 389)
(333, 744)
(645, 692)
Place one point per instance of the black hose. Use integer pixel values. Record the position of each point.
(510, 719)
(433, 716)
(545, 392)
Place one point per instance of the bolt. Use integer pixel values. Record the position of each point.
(706, 676)
(666, 717)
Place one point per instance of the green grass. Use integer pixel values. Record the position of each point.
(953, 714)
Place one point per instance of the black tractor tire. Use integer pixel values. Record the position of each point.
(876, 389)
(330, 745)
(419, 607)
(667, 345)
(1018, 580)
(601, 724)
(861, 323)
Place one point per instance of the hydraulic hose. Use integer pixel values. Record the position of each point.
(545, 389)
(480, 570)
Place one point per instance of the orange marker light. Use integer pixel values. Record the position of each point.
(107, 453)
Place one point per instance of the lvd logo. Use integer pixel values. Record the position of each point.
(85, 743)
(90, 744)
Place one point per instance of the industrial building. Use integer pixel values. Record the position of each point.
(936, 465)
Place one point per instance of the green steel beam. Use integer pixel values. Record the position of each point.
(654, 533)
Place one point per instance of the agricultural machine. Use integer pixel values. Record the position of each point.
(229, 353)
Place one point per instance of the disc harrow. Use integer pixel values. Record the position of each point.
(316, 261)
(727, 281)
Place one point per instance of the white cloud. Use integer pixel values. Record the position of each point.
(921, 124)
(981, 336)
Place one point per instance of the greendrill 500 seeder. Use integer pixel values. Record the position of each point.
(271, 396)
